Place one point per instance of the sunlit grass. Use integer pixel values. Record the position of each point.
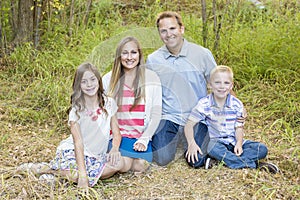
(261, 47)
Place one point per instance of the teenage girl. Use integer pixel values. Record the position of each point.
(138, 93)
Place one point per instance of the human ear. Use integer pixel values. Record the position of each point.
(231, 86)
(182, 29)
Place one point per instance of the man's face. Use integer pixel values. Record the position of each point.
(171, 33)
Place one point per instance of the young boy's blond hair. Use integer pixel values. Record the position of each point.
(222, 68)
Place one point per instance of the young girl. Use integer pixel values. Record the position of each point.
(139, 96)
(82, 156)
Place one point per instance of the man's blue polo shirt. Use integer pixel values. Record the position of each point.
(183, 77)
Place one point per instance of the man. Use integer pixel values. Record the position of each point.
(184, 69)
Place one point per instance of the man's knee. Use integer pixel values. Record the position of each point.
(162, 159)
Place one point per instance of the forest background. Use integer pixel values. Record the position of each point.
(43, 41)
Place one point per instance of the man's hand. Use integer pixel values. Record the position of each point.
(192, 152)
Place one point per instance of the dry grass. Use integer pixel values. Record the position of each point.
(177, 181)
(27, 134)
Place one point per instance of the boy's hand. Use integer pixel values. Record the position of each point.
(192, 152)
(238, 149)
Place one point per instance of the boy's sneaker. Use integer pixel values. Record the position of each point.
(48, 179)
(269, 167)
(210, 162)
(207, 163)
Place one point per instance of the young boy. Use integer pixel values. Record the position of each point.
(220, 111)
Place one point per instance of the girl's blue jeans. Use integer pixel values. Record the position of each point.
(252, 152)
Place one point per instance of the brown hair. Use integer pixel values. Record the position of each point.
(77, 98)
(169, 14)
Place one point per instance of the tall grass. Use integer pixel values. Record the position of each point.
(262, 47)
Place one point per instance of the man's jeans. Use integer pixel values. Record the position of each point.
(167, 137)
(252, 152)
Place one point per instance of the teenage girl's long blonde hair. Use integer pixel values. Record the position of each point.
(117, 77)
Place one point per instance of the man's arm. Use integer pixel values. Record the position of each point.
(193, 148)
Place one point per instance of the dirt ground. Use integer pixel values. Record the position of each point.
(21, 144)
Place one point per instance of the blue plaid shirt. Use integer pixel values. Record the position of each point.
(221, 122)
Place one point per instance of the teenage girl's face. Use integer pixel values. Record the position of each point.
(221, 85)
(130, 56)
(171, 34)
(89, 84)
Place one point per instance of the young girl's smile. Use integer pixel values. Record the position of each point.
(89, 83)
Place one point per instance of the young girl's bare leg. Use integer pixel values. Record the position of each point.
(110, 170)
(35, 168)
(139, 166)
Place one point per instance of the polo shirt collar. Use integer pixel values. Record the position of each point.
(183, 51)
(228, 102)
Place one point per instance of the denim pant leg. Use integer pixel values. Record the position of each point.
(254, 151)
(164, 142)
(201, 137)
(225, 152)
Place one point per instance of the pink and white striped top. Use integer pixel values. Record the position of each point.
(131, 123)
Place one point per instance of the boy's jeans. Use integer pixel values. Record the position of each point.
(167, 137)
(252, 152)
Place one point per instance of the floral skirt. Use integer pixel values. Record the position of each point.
(65, 160)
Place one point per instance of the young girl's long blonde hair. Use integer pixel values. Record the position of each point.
(117, 77)
(77, 98)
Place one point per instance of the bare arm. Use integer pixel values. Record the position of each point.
(239, 135)
(79, 155)
(114, 154)
(193, 148)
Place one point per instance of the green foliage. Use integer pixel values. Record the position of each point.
(262, 47)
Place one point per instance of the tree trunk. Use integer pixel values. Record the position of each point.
(71, 17)
(2, 41)
(204, 22)
(13, 16)
(87, 12)
(38, 11)
(217, 26)
(25, 19)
